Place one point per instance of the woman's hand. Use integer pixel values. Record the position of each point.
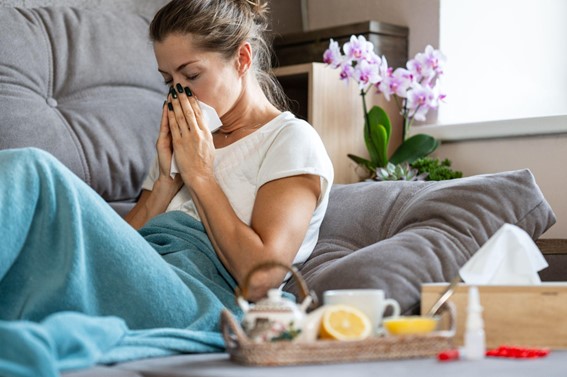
(154, 202)
(192, 141)
(164, 146)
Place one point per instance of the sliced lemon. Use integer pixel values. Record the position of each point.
(343, 322)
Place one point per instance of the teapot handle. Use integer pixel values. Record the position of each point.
(305, 292)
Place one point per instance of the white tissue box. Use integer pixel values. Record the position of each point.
(525, 316)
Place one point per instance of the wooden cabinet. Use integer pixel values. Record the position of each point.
(334, 109)
(308, 46)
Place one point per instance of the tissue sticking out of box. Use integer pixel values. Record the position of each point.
(211, 120)
(509, 257)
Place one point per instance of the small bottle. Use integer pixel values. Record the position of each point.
(475, 343)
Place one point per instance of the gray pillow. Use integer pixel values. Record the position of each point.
(84, 86)
(397, 235)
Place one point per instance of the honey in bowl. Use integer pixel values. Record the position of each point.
(410, 325)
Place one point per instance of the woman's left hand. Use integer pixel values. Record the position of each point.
(193, 145)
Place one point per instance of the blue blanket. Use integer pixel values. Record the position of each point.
(79, 286)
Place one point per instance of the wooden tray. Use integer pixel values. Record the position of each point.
(244, 351)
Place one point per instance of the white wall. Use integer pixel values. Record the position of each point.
(507, 59)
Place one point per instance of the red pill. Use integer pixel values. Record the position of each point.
(448, 355)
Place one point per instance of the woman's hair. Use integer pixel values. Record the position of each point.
(222, 26)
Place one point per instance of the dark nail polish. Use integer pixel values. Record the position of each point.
(179, 88)
(173, 93)
(164, 102)
(188, 91)
(170, 106)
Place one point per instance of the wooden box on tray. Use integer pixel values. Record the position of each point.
(524, 316)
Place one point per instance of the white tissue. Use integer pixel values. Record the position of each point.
(509, 257)
(211, 120)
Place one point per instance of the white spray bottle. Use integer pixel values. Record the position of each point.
(475, 343)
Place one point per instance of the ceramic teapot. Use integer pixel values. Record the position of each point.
(273, 317)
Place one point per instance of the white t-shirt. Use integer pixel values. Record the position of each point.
(284, 147)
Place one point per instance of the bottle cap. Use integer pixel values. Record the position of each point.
(474, 299)
(474, 310)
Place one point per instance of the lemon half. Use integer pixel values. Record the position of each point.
(343, 322)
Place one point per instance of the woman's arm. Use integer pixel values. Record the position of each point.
(151, 204)
(280, 219)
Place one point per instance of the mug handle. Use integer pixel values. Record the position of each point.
(396, 313)
(394, 305)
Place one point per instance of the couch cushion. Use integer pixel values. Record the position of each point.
(397, 235)
(83, 85)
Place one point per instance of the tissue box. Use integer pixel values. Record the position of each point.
(526, 316)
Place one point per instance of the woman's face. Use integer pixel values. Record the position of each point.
(212, 78)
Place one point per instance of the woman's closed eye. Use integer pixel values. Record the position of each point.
(192, 77)
(189, 78)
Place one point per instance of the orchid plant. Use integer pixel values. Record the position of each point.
(414, 88)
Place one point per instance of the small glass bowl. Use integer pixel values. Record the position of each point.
(407, 325)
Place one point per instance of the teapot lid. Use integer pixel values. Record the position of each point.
(274, 303)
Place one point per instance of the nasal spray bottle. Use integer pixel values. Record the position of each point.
(475, 344)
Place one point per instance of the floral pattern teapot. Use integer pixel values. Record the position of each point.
(274, 317)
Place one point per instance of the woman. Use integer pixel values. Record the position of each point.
(259, 185)
(276, 210)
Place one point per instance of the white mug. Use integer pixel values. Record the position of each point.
(371, 302)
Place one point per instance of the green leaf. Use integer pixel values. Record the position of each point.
(379, 139)
(363, 162)
(370, 147)
(413, 148)
(435, 169)
(377, 115)
(377, 132)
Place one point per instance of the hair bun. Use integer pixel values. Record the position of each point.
(258, 7)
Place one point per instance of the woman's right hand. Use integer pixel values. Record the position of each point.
(164, 148)
(154, 202)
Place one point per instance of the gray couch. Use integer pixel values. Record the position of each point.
(82, 84)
